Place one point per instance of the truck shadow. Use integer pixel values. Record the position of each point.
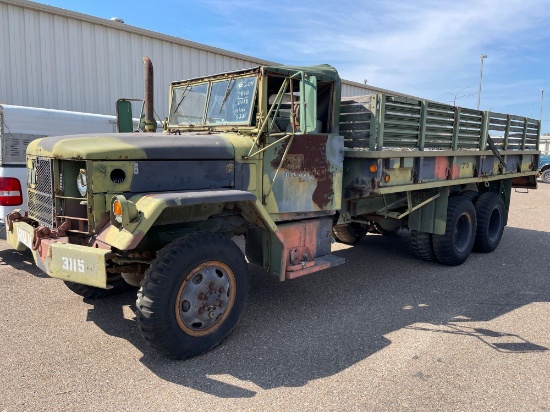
(317, 326)
(20, 261)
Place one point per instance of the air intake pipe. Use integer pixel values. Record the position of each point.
(150, 123)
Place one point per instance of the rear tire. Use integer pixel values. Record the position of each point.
(472, 195)
(422, 247)
(490, 212)
(348, 234)
(454, 247)
(193, 295)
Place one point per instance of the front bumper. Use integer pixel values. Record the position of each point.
(60, 259)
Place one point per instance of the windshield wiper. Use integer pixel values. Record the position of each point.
(181, 99)
(227, 92)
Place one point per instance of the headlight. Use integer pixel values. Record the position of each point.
(82, 182)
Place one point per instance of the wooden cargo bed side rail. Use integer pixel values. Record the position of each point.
(384, 122)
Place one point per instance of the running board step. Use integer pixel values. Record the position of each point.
(321, 263)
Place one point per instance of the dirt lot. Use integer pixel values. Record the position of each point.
(383, 332)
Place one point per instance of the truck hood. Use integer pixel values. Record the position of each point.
(151, 146)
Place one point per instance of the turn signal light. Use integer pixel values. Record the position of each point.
(117, 208)
(123, 211)
(10, 192)
(373, 168)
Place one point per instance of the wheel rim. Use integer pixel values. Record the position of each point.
(463, 232)
(205, 298)
(495, 223)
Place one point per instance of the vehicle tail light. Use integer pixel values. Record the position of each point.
(10, 192)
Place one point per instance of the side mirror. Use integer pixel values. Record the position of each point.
(124, 116)
(126, 121)
(308, 103)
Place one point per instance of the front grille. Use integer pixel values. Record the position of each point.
(41, 199)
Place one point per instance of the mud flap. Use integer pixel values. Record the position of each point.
(524, 182)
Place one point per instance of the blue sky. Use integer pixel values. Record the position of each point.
(428, 48)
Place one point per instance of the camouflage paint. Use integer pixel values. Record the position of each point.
(309, 177)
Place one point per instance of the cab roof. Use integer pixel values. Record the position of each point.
(323, 72)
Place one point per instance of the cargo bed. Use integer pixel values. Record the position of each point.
(395, 144)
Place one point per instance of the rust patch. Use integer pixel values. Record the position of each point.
(358, 188)
(307, 157)
(230, 167)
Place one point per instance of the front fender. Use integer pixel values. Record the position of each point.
(151, 206)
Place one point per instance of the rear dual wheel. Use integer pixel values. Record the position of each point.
(348, 233)
(422, 247)
(468, 228)
(490, 212)
(454, 246)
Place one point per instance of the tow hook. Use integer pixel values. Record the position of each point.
(42, 232)
(14, 217)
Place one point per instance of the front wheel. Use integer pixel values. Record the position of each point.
(545, 176)
(454, 247)
(193, 295)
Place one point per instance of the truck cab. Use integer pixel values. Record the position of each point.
(261, 110)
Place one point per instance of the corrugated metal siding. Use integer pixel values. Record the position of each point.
(62, 63)
(58, 59)
(352, 90)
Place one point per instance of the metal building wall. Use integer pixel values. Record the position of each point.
(351, 89)
(59, 59)
(64, 62)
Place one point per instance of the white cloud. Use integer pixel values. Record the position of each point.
(387, 41)
(422, 47)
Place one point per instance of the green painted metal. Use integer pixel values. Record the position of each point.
(308, 103)
(124, 116)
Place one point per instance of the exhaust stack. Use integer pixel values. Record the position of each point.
(150, 123)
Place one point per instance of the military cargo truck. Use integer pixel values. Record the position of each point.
(272, 153)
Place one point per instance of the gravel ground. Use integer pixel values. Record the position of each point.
(383, 332)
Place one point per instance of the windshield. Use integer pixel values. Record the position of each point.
(229, 101)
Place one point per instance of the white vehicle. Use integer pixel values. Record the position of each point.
(20, 125)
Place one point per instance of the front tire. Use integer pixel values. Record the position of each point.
(454, 247)
(490, 212)
(193, 295)
(545, 176)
